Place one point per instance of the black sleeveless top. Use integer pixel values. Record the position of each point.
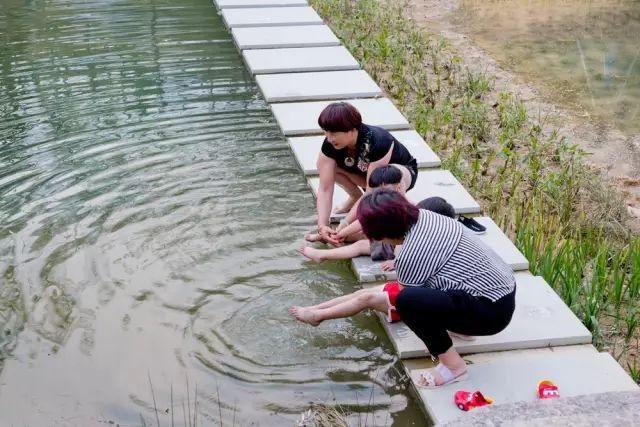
(373, 144)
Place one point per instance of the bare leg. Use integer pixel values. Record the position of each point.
(405, 182)
(341, 299)
(352, 184)
(313, 316)
(361, 247)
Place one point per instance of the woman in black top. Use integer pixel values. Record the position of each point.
(350, 152)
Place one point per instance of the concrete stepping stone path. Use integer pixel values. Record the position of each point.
(541, 319)
(270, 16)
(291, 60)
(317, 86)
(301, 118)
(430, 183)
(307, 148)
(239, 4)
(284, 37)
(513, 376)
(369, 271)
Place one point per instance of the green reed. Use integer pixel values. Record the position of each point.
(563, 216)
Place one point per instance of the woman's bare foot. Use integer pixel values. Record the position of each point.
(313, 237)
(346, 207)
(305, 315)
(312, 253)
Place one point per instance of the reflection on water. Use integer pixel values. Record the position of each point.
(149, 216)
(586, 53)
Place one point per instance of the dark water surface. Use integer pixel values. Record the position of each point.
(150, 213)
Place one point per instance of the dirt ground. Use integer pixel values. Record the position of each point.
(612, 152)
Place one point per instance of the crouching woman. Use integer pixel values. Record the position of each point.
(447, 281)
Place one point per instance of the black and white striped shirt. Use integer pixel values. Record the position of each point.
(441, 253)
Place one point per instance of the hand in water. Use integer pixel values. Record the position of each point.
(329, 235)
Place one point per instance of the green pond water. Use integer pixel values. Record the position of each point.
(582, 54)
(150, 212)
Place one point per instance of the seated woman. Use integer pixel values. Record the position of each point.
(390, 177)
(447, 281)
(350, 152)
(349, 230)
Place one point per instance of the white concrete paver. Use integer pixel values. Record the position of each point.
(301, 118)
(430, 183)
(541, 319)
(307, 148)
(317, 86)
(284, 37)
(369, 271)
(238, 4)
(513, 376)
(291, 60)
(270, 16)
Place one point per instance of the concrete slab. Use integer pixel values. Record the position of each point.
(284, 37)
(541, 319)
(512, 376)
(369, 271)
(270, 16)
(317, 86)
(301, 118)
(502, 245)
(613, 408)
(240, 4)
(430, 183)
(307, 148)
(291, 60)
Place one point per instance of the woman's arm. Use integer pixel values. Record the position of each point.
(324, 201)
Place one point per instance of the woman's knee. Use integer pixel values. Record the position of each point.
(373, 299)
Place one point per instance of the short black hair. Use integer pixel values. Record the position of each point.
(339, 117)
(437, 205)
(384, 175)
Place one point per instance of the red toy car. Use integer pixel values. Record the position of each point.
(547, 390)
(466, 400)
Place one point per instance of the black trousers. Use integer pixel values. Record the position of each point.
(430, 313)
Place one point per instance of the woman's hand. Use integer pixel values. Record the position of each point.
(329, 235)
(388, 265)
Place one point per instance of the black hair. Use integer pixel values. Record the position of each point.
(339, 117)
(384, 175)
(438, 205)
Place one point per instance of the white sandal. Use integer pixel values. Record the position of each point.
(429, 380)
(461, 337)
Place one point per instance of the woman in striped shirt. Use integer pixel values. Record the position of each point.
(447, 281)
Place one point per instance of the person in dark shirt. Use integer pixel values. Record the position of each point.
(350, 152)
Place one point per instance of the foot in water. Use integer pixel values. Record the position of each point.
(305, 315)
(313, 237)
(346, 207)
(312, 253)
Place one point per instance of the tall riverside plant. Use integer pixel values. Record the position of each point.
(562, 215)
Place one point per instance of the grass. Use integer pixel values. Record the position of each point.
(568, 221)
